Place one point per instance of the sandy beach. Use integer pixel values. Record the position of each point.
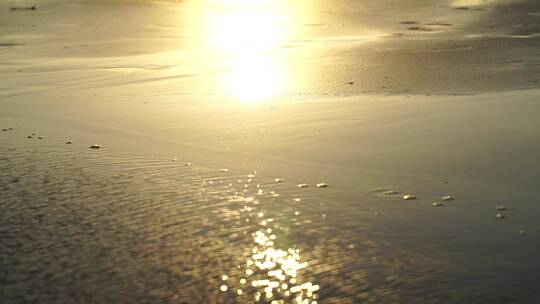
(229, 151)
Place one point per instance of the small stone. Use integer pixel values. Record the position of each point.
(187, 164)
(437, 204)
(174, 159)
(11, 129)
(41, 137)
(96, 146)
(500, 216)
(303, 185)
(278, 180)
(447, 198)
(223, 170)
(5, 130)
(69, 142)
(409, 197)
(501, 208)
(322, 185)
(29, 136)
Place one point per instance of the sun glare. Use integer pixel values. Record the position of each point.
(247, 34)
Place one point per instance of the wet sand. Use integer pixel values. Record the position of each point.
(193, 194)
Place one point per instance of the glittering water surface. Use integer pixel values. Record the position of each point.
(82, 225)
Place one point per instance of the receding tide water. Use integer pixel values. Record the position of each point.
(282, 172)
(81, 225)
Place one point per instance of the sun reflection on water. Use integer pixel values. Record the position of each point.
(247, 35)
(269, 274)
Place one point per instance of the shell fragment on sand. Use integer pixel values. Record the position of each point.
(223, 170)
(322, 185)
(409, 197)
(96, 146)
(437, 204)
(303, 185)
(500, 216)
(390, 192)
(278, 180)
(447, 198)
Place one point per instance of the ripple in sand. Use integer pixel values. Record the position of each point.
(500, 216)
(447, 198)
(390, 192)
(96, 146)
(437, 204)
(303, 185)
(409, 197)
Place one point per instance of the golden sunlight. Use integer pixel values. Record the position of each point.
(247, 34)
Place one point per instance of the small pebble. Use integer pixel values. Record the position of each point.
(303, 185)
(223, 170)
(5, 130)
(437, 204)
(69, 142)
(10, 129)
(41, 137)
(174, 159)
(187, 164)
(501, 208)
(408, 197)
(29, 136)
(278, 180)
(500, 216)
(96, 146)
(447, 198)
(322, 185)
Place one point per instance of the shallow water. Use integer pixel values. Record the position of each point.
(80, 225)
(210, 114)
